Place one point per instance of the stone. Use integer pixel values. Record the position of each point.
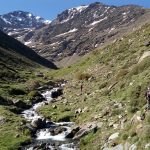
(54, 106)
(20, 104)
(114, 136)
(39, 74)
(56, 93)
(73, 132)
(39, 123)
(78, 111)
(57, 130)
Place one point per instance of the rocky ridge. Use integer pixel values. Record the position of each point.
(78, 31)
(21, 25)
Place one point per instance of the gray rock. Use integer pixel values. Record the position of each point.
(114, 136)
(73, 132)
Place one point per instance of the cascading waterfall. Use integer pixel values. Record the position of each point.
(44, 135)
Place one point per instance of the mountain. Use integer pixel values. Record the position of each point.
(18, 24)
(79, 30)
(16, 56)
(110, 111)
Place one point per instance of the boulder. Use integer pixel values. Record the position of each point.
(57, 130)
(56, 93)
(20, 104)
(38, 123)
(113, 136)
(87, 128)
(73, 132)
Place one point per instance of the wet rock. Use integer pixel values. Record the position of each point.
(73, 132)
(20, 104)
(38, 123)
(57, 130)
(56, 93)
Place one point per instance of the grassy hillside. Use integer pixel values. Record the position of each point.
(114, 85)
(18, 68)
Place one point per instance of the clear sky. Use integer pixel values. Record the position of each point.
(50, 8)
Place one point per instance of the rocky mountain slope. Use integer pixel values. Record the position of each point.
(77, 31)
(20, 24)
(110, 111)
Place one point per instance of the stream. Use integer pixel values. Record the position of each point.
(45, 138)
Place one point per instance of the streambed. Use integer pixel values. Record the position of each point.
(45, 138)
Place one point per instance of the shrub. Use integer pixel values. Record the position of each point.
(32, 94)
(14, 91)
(33, 84)
(104, 84)
(125, 136)
(121, 73)
(83, 76)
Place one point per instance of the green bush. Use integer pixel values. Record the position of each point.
(121, 73)
(32, 94)
(14, 91)
(125, 136)
(83, 76)
(33, 84)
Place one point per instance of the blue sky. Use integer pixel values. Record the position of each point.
(50, 8)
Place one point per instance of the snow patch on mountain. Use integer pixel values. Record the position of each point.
(71, 31)
(73, 11)
(98, 21)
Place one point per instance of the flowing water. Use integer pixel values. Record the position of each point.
(43, 137)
